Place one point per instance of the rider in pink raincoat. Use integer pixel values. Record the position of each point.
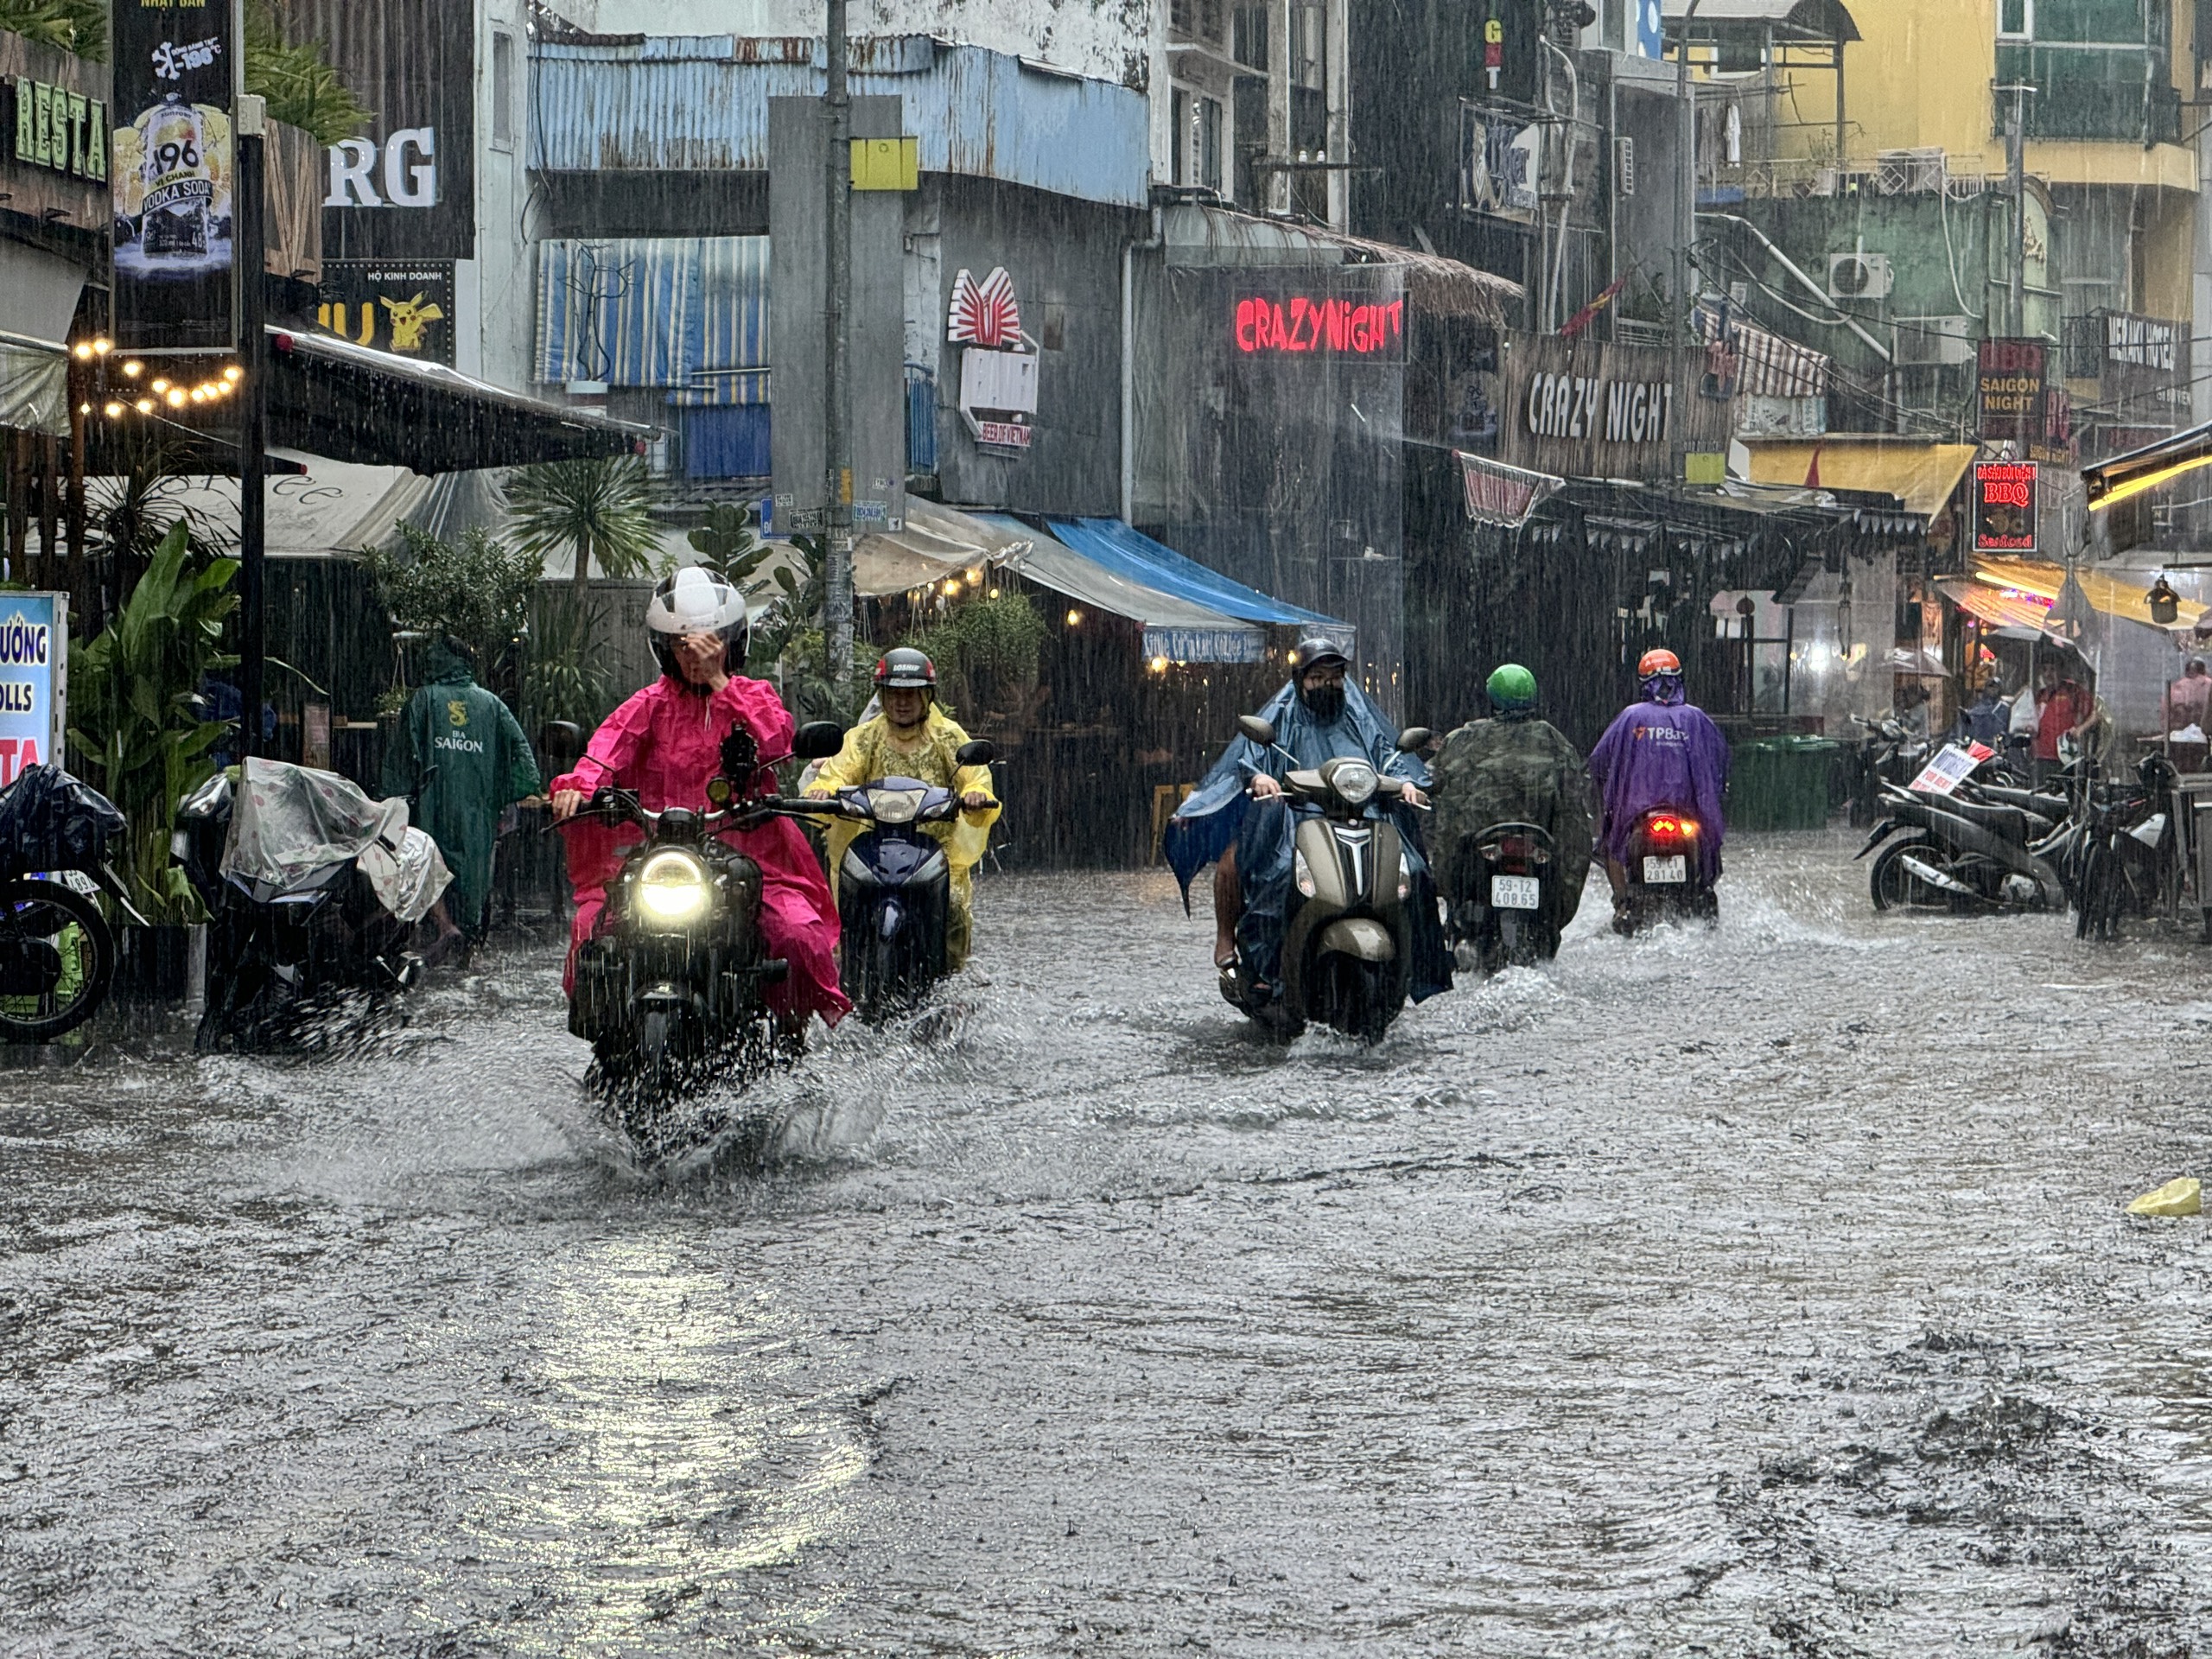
(666, 743)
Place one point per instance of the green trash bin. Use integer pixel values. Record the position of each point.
(1780, 783)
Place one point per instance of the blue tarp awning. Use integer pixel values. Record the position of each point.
(1113, 546)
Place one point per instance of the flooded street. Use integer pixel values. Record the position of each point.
(1758, 1292)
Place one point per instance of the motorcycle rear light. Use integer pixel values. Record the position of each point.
(1668, 831)
(1516, 847)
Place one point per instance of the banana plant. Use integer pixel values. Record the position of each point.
(136, 731)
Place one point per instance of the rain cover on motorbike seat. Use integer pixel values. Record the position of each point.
(50, 821)
(2007, 822)
(290, 821)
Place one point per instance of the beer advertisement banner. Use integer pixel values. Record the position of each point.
(391, 305)
(175, 64)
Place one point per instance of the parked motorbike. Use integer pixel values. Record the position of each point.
(672, 989)
(1347, 950)
(1504, 914)
(282, 953)
(2130, 858)
(1983, 847)
(894, 888)
(1666, 877)
(1889, 756)
(57, 949)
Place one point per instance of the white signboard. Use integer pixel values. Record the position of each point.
(1952, 766)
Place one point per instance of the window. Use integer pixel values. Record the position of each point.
(503, 87)
(1179, 126)
(1209, 137)
(2016, 19)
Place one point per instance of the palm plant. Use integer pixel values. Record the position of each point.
(78, 26)
(595, 509)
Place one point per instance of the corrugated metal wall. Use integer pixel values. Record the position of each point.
(700, 103)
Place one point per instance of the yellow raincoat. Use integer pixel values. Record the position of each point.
(869, 754)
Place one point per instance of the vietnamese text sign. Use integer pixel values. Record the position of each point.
(34, 654)
(175, 67)
(391, 305)
(2004, 506)
(1952, 766)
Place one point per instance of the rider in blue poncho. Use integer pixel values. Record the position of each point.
(1237, 820)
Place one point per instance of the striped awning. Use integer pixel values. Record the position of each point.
(683, 313)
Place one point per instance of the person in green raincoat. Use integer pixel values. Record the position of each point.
(462, 758)
(1514, 767)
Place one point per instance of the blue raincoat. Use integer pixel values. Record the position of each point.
(1219, 814)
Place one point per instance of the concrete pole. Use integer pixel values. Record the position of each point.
(2016, 182)
(1339, 80)
(1685, 233)
(837, 569)
(1279, 106)
(249, 235)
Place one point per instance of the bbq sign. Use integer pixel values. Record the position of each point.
(2004, 506)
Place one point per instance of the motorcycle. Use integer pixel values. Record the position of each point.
(2131, 856)
(1347, 950)
(1889, 757)
(286, 947)
(1666, 877)
(672, 989)
(1983, 847)
(894, 888)
(57, 949)
(1506, 919)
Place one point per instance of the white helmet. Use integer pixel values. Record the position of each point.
(696, 601)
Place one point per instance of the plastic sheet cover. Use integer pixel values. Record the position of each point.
(292, 820)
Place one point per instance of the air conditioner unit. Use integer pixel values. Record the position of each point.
(1937, 341)
(1909, 172)
(1860, 276)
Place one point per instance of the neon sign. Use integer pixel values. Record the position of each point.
(2004, 506)
(1299, 326)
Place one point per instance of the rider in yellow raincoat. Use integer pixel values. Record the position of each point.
(914, 738)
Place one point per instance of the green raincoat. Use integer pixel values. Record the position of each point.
(462, 756)
(1511, 771)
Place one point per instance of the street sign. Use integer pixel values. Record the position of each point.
(2004, 506)
(34, 680)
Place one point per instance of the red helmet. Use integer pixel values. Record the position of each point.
(1657, 662)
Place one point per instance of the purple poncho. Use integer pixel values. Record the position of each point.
(1658, 755)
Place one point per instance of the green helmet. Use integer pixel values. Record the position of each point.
(1511, 687)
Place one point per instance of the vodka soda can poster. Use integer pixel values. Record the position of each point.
(175, 66)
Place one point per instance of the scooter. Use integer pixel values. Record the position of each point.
(1666, 877)
(672, 989)
(894, 888)
(281, 955)
(1972, 850)
(1504, 916)
(1347, 952)
(57, 949)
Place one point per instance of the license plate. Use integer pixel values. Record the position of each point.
(1667, 869)
(1514, 891)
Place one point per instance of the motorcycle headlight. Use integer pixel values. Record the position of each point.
(895, 805)
(1354, 780)
(673, 888)
(1302, 874)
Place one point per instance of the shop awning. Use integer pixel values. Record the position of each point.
(34, 385)
(1177, 628)
(936, 544)
(2107, 595)
(347, 403)
(2022, 617)
(1131, 556)
(1201, 235)
(1919, 472)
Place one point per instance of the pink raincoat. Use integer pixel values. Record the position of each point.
(666, 743)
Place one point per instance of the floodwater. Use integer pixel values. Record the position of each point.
(1764, 1292)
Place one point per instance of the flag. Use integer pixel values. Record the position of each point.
(1813, 466)
(1582, 319)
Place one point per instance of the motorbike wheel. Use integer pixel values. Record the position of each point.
(1895, 888)
(36, 913)
(2103, 892)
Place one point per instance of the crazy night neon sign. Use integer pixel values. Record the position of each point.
(1299, 326)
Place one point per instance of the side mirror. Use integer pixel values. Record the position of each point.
(818, 739)
(1415, 739)
(1261, 731)
(978, 751)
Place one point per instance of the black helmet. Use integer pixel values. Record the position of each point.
(1317, 649)
(905, 669)
(696, 601)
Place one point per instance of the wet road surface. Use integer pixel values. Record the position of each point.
(1764, 1292)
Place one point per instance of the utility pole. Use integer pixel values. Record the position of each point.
(2016, 181)
(249, 234)
(837, 247)
(1685, 233)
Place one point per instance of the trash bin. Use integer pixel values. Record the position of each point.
(1780, 783)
